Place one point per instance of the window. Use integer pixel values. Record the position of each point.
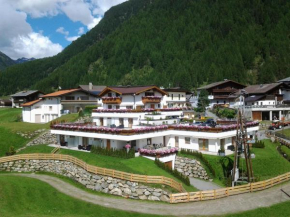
(171, 96)
(158, 105)
(129, 107)
(50, 108)
(84, 97)
(69, 98)
(109, 94)
(117, 95)
(178, 96)
(261, 103)
(109, 106)
(37, 107)
(187, 140)
(117, 107)
(149, 93)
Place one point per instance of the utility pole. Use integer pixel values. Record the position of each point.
(241, 144)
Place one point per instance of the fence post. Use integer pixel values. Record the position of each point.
(264, 185)
(188, 197)
(200, 196)
(251, 187)
(214, 194)
(170, 198)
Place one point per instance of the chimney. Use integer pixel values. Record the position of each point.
(90, 86)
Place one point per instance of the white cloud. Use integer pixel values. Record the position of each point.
(62, 31)
(33, 45)
(104, 5)
(17, 38)
(72, 38)
(94, 23)
(81, 31)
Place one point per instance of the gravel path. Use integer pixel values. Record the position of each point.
(203, 185)
(231, 204)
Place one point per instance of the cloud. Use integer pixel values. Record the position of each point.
(17, 38)
(72, 38)
(33, 45)
(62, 31)
(94, 23)
(81, 31)
(104, 5)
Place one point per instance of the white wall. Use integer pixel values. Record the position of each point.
(176, 101)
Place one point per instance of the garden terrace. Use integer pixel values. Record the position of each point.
(106, 130)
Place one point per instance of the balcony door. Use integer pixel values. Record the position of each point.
(152, 106)
(101, 122)
(203, 144)
(108, 144)
(130, 122)
(176, 142)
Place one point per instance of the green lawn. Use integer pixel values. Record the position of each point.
(286, 150)
(137, 165)
(21, 196)
(10, 124)
(267, 164)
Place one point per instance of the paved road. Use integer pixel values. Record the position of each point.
(231, 204)
(203, 185)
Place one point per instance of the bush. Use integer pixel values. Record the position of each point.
(11, 151)
(200, 157)
(259, 144)
(284, 151)
(89, 108)
(121, 153)
(174, 172)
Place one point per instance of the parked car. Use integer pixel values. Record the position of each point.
(209, 122)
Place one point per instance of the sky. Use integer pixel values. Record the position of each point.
(43, 28)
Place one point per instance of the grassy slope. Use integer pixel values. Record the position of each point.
(267, 164)
(29, 197)
(138, 165)
(10, 125)
(35, 198)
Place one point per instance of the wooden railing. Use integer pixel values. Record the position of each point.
(226, 192)
(98, 170)
(54, 150)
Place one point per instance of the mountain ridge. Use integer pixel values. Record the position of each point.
(171, 43)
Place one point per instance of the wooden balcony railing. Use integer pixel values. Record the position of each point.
(112, 100)
(151, 99)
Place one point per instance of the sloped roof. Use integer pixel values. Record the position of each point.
(261, 88)
(217, 84)
(28, 104)
(60, 93)
(99, 88)
(122, 90)
(25, 93)
(284, 80)
(253, 98)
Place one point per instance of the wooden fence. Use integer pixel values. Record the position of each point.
(226, 192)
(98, 170)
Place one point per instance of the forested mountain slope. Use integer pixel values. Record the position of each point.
(172, 42)
(5, 61)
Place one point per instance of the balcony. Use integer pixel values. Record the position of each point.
(85, 102)
(112, 100)
(151, 99)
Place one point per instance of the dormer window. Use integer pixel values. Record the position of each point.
(109, 94)
(149, 93)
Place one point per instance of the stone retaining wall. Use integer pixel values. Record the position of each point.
(190, 167)
(101, 183)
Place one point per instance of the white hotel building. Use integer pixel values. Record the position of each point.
(140, 116)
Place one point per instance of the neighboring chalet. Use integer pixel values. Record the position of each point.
(221, 93)
(53, 105)
(176, 98)
(265, 101)
(5, 103)
(24, 96)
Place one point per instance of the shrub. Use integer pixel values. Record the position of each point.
(259, 144)
(174, 172)
(11, 151)
(89, 108)
(200, 157)
(121, 153)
